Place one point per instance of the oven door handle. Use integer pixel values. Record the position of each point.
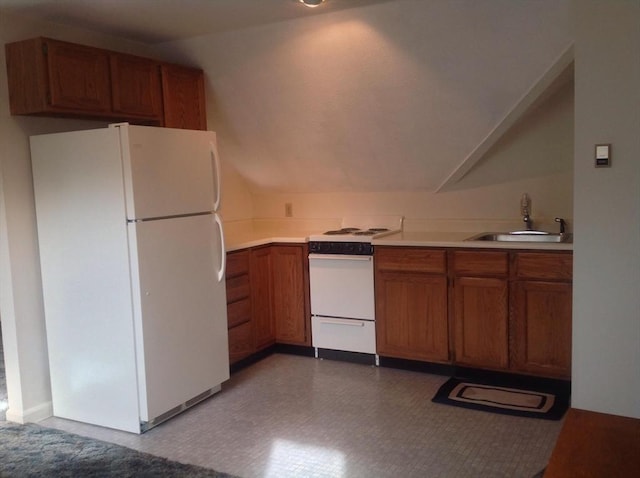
(340, 257)
(348, 322)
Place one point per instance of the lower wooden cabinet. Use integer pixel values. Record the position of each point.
(541, 328)
(512, 311)
(240, 342)
(262, 297)
(239, 306)
(480, 308)
(290, 289)
(490, 309)
(267, 298)
(411, 304)
(541, 312)
(481, 322)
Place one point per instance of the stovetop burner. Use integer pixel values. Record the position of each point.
(361, 229)
(344, 230)
(356, 231)
(371, 232)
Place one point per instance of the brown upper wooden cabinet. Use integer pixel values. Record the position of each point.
(136, 87)
(54, 78)
(183, 95)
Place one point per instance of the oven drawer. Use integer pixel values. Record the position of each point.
(350, 335)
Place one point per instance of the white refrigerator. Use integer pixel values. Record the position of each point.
(133, 261)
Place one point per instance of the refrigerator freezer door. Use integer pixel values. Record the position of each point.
(168, 172)
(180, 311)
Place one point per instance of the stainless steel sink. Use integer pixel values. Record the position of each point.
(522, 236)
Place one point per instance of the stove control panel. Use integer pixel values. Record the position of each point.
(346, 248)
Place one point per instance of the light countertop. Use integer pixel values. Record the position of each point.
(247, 239)
(235, 242)
(457, 239)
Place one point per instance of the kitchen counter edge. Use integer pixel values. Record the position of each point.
(404, 239)
(458, 239)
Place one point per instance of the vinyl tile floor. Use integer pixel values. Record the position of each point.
(293, 416)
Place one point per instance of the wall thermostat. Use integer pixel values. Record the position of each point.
(603, 155)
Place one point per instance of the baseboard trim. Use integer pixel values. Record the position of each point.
(344, 356)
(31, 415)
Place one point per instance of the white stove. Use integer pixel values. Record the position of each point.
(341, 283)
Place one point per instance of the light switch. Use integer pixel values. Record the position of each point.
(603, 155)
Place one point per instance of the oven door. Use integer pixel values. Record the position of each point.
(342, 286)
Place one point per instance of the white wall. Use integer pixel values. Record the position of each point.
(606, 323)
(535, 156)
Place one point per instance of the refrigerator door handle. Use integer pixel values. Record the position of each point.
(215, 162)
(223, 252)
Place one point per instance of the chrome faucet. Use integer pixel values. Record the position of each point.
(525, 210)
(563, 224)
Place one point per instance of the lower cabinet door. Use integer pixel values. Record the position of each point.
(411, 316)
(481, 317)
(541, 327)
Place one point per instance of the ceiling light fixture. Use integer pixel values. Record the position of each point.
(311, 3)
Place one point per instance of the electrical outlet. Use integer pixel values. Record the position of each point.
(288, 209)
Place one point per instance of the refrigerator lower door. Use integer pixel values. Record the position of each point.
(180, 311)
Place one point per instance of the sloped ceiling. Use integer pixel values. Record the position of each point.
(155, 21)
(388, 97)
(383, 96)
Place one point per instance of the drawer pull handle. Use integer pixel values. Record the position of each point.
(349, 323)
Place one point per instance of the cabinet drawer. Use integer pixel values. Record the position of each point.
(238, 312)
(237, 288)
(237, 263)
(543, 266)
(410, 259)
(482, 263)
(240, 342)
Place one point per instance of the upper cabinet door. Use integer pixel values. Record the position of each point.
(183, 95)
(78, 77)
(136, 86)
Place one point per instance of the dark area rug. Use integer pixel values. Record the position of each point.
(549, 401)
(34, 451)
